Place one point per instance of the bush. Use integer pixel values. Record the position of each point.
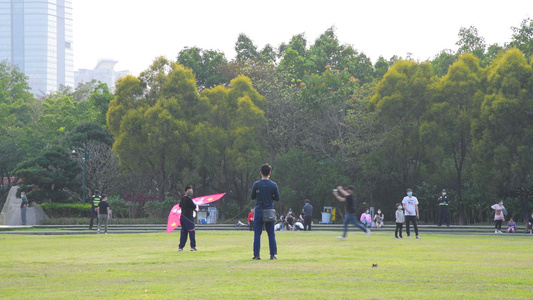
(159, 209)
(119, 206)
(113, 221)
(67, 210)
(135, 204)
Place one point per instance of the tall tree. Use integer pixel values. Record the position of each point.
(154, 137)
(245, 48)
(449, 119)
(523, 38)
(401, 99)
(504, 131)
(325, 100)
(206, 65)
(443, 61)
(53, 172)
(232, 139)
(18, 111)
(470, 41)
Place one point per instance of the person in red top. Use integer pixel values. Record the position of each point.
(251, 219)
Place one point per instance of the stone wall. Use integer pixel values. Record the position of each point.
(10, 214)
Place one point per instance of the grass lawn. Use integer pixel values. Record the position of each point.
(310, 265)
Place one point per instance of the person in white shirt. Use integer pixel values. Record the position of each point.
(410, 204)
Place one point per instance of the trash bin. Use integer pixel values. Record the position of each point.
(326, 218)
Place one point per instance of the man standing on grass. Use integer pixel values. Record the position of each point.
(265, 192)
(95, 200)
(410, 204)
(187, 219)
(308, 214)
(348, 196)
(23, 207)
(103, 213)
(444, 215)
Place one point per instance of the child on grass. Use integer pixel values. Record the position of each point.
(511, 226)
(400, 219)
(366, 218)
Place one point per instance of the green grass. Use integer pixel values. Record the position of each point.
(310, 265)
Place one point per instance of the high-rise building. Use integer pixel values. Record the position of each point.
(103, 72)
(36, 36)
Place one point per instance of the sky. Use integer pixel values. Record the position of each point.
(136, 32)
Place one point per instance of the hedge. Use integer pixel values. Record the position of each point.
(64, 210)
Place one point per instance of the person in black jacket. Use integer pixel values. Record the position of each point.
(444, 215)
(187, 219)
(264, 192)
(95, 200)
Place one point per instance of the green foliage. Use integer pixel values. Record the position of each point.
(17, 116)
(504, 132)
(88, 132)
(119, 206)
(301, 176)
(206, 65)
(156, 137)
(65, 210)
(401, 99)
(98, 104)
(462, 120)
(159, 209)
(470, 41)
(523, 38)
(53, 172)
(443, 61)
(452, 114)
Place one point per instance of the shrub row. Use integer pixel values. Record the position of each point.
(120, 207)
(67, 210)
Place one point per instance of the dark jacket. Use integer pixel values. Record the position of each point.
(187, 207)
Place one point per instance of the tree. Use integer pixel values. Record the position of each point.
(449, 119)
(245, 48)
(290, 170)
(325, 100)
(401, 99)
(17, 119)
(470, 41)
(53, 172)
(98, 103)
(102, 169)
(154, 137)
(523, 38)
(294, 63)
(129, 95)
(503, 133)
(60, 115)
(443, 61)
(284, 113)
(381, 67)
(206, 65)
(235, 130)
(100, 162)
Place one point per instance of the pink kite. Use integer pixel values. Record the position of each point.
(175, 212)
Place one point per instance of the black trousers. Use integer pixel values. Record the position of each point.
(307, 222)
(187, 229)
(498, 224)
(251, 225)
(444, 215)
(94, 215)
(398, 229)
(408, 220)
